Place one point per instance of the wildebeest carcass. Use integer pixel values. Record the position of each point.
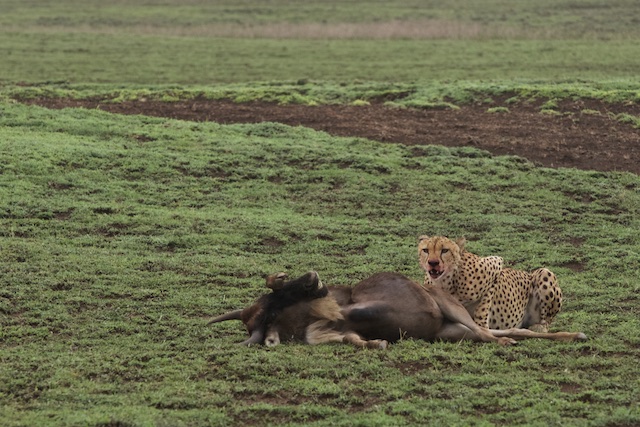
(384, 308)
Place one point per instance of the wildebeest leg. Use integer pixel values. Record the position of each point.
(373, 320)
(257, 335)
(454, 311)
(517, 333)
(456, 332)
(324, 331)
(365, 311)
(355, 339)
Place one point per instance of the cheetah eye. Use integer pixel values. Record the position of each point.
(444, 250)
(425, 250)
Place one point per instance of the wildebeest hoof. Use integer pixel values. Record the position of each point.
(507, 341)
(377, 344)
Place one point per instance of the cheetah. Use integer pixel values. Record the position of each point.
(496, 297)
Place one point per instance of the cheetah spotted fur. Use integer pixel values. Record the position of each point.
(496, 297)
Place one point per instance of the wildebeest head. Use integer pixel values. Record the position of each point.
(260, 314)
(304, 288)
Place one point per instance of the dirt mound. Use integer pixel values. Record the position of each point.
(581, 134)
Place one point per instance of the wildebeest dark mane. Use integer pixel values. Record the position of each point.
(275, 302)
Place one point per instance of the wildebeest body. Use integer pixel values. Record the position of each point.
(389, 306)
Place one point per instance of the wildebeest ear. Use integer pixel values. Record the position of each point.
(276, 281)
(461, 242)
(423, 237)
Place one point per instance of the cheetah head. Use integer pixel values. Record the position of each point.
(439, 256)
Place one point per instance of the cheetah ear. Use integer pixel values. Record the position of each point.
(461, 242)
(423, 237)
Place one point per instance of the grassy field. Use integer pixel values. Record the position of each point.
(121, 235)
(200, 42)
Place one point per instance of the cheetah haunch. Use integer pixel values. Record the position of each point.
(496, 297)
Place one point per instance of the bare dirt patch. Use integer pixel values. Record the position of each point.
(583, 134)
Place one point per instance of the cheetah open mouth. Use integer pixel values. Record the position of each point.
(434, 274)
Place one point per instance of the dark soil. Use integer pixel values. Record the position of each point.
(584, 134)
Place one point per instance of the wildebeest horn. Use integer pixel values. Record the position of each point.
(232, 315)
(276, 281)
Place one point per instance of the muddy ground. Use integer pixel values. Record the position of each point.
(582, 134)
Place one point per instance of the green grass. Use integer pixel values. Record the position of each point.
(120, 58)
(121, 235)
(433, 94)
(201, 42)
(558, 19)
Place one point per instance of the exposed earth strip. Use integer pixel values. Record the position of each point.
(583, 134)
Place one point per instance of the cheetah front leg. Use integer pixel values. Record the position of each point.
(545, 302)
